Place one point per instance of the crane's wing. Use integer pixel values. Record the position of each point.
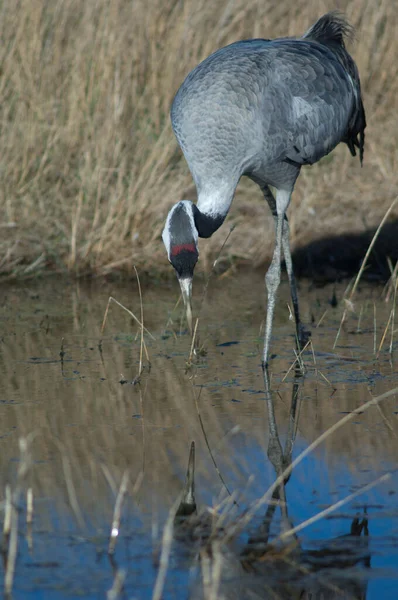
(312, 97)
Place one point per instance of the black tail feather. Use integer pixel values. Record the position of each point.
(356, 135)
(332, 30)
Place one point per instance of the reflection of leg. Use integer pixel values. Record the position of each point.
(275, 455)
(292, 426)
(357, 527)
(286, 523)
(365, 526)
(260, 538)
(366, 561)
(281, 459)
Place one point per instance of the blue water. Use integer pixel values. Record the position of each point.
(69, 564)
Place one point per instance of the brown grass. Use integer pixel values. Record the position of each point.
(90, 165)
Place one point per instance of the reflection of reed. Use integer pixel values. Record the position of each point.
(80, 411)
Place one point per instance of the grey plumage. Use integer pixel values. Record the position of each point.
(265, 108)
(259, 102)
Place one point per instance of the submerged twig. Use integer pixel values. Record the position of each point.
(29, 506)
(11, 513)
(7, 515)
(115, 529)
(216, 571)
(71, 489)
(118, 512)
(109, 478)
(118, 583)
(29, 517)
(208, 445)
(167, 540)
(12, 553)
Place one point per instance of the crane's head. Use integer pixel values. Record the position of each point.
(180, 237)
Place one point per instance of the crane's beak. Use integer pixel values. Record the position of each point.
(186, 290)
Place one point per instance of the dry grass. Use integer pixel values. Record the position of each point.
(90, 165)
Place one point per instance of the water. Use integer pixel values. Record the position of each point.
(91, 420)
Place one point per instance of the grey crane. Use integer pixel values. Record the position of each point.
(261, 108)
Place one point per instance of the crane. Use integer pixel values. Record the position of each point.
(261, 108)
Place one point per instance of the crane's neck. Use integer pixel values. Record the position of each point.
(212, 208)
(207, 224)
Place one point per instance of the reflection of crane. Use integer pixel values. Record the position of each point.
(263, 569)
(261, 108)
(342, 552)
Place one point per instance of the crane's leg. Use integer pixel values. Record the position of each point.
(302, 334)
(273, 276)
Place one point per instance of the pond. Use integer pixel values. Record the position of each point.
(88, 422)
